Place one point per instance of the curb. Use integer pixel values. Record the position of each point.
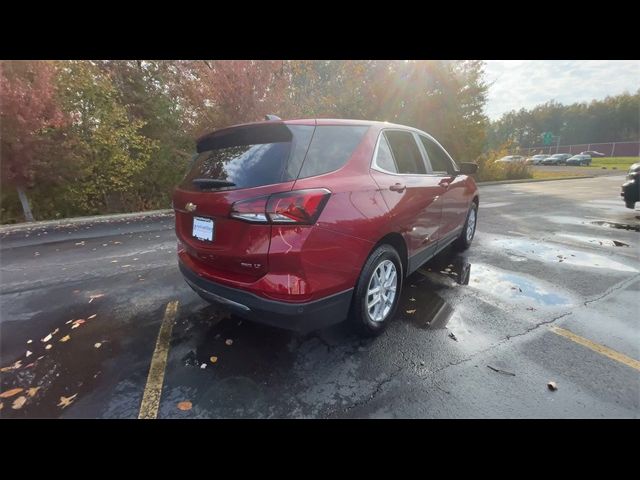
(532, 180)
(81, 220)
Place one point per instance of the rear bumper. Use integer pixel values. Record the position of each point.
(300, 317)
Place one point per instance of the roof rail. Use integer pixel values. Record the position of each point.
(272, 117)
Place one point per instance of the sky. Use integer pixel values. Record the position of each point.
(526, 83)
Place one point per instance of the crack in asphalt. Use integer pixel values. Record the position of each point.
(380, 384)
(378, 388)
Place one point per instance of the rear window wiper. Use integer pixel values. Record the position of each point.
(211, 183)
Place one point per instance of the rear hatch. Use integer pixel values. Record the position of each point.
(235, 165)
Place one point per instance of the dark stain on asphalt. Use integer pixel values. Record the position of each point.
(619, 226)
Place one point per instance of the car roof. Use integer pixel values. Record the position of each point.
(314, 122)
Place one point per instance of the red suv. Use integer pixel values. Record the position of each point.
(299, 224)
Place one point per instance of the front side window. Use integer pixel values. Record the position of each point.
(406, 153)
(440, 162)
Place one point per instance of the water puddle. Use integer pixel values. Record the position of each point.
(550, 253)
(515, 288)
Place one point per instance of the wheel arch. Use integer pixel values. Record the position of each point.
(396, 241)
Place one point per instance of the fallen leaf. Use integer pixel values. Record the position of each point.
(19, 402)
(68, 322)
(552, 386)
(30, 365)
(123, 266)
(32, 391)
(93, 297)
(66, 401)
(453, 336)
(11, 393)
(184, 406)
(411, 311)
(48, 346)
(97, 345)
(80, 243)
(29, 341)
(114, 261)
(203, 366)
(46, 339)
(1, 405)
(55, 331)
(15, 366)
(228, 341)
(412, 299)
(213, 359)
(29, 353)
(65, 338)
(92, 316)
(77, 323)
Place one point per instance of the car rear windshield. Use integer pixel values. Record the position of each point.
(251, 156)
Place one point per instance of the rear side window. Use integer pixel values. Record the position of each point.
(384, 157)
(330, 148)
(440, 162)
(251, 156)
(405, 151)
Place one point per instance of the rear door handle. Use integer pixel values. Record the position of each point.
(397, 187)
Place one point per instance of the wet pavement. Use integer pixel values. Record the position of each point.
(81, 308)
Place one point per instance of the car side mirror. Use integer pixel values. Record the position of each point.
(468, 168)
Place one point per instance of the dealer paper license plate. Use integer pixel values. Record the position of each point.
(203, 228)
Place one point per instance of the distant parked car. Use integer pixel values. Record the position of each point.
(537, 159)
(557, 159)
(579, 160)
(511, 159)
(593, 153)
(631, 188)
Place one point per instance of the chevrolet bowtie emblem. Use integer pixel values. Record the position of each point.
(190, 207)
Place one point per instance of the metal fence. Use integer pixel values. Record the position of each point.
(612, 149)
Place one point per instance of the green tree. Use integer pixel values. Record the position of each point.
(105, 139)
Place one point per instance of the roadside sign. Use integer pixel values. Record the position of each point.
(547, 138)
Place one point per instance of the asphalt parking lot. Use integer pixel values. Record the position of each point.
(547, 293)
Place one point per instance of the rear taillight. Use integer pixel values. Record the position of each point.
(302, 207)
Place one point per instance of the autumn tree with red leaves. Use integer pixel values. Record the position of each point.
(28, 110)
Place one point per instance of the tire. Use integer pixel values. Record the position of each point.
(466, 237)
(372, 321)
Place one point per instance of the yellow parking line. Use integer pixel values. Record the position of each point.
(596, 347)
(155, 379)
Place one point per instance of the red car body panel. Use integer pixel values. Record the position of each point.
(298, 264)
